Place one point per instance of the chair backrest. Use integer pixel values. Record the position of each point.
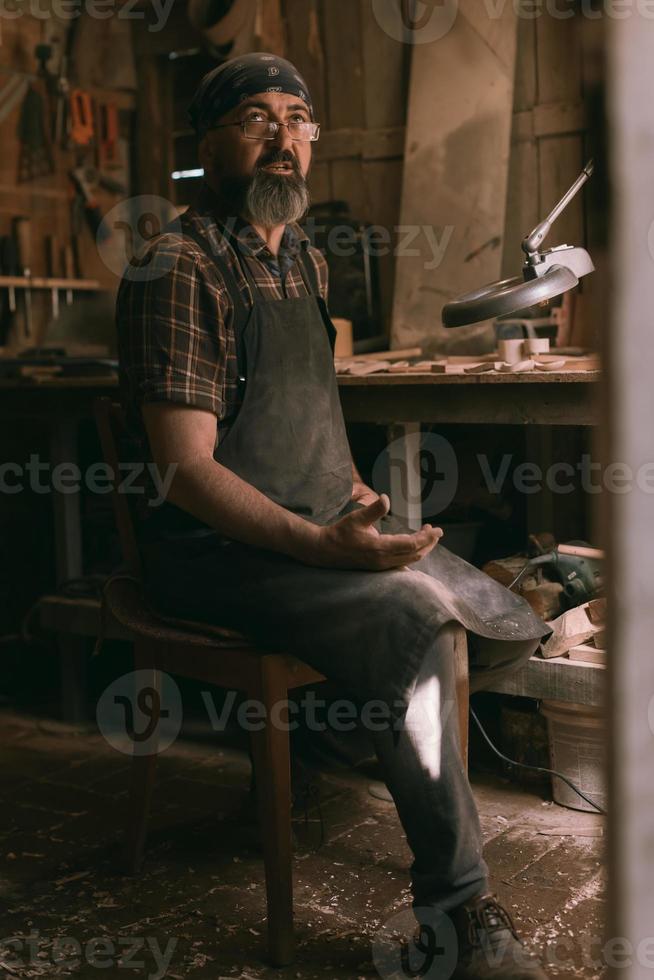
(111, 423)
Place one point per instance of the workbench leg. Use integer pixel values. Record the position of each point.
(67, 520)
(404, 443)
(68, 552)
(73, 653)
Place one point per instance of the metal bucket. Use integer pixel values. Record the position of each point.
(577, 747)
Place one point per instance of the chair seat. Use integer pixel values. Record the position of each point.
(124, 598)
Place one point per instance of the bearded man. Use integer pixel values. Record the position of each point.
(226, 353)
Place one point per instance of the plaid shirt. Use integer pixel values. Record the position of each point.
(176, 324)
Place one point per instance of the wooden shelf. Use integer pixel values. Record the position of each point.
(42, 282)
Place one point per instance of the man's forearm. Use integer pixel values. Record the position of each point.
(221, 499)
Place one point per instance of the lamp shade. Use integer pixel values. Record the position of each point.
(508, 296)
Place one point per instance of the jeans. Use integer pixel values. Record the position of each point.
(377, 635)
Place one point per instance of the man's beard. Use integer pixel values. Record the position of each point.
(266, 199)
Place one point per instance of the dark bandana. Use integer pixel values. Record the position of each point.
(223, 88)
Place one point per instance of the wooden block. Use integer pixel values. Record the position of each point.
(587, 653)
(520, 368)
(481, 368)
(422, 367)
(575, 627)
(360, 370)
(444, 367)
(550, 365)
(545, 599)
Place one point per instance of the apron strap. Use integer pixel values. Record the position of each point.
(308, 272)
(241, 311)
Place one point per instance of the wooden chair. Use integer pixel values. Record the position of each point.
(227, 659)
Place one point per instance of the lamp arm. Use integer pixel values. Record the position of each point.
(532, 242)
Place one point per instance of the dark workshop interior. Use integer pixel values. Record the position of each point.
(325, 489)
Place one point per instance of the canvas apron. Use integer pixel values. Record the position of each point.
(368, 630)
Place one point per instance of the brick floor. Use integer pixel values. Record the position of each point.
(200, 895)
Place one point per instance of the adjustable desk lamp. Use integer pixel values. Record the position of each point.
(544, 274)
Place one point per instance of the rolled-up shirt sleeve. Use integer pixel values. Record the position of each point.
(171, 317)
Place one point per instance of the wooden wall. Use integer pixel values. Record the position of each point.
(548, 147)
(359, 80)
(548, 133)
(46, 200)
(457, 159)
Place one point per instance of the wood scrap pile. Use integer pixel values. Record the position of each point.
(579, 633)
(408, 362)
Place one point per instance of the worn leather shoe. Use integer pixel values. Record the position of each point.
(489, 946)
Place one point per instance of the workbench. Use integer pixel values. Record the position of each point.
(401, 402)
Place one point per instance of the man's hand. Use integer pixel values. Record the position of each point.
(361, 494)
(354, 542)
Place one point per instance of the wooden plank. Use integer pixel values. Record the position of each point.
(522, 212)
(273, 28)
(341, 24)
(553, 119)
(383, 180)
(559, 118)
(320, 183)
(560, 163)
(303, 22)
(385, 73)
(531, 404)
(348, 184)
(455, 175)
(374, 144)
(525, 67)
(557, 679)
(558, 56)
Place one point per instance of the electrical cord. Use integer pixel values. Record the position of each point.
(523, 765)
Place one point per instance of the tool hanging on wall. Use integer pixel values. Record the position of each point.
(70, 268)
(108, 136)
(35, 154)
(61, 118)
(81, 118)
(86, 204)
(22, 229)
(8, 267)
(52, 270)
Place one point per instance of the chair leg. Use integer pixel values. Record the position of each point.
(270, 748)
(462, 673)
(143, 769)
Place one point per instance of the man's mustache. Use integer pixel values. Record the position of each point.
(279, 156)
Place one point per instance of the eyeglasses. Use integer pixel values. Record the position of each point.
(266, 129)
